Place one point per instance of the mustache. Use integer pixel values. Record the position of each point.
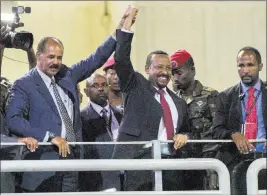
(56, 66)
(164, 75)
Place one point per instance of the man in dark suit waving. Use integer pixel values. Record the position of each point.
(242, 115)
(151, 110)
(44, 104)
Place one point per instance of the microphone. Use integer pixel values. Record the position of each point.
(241, 96)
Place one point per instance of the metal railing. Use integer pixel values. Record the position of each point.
(252, 176)
(114, 165)
(157, 165)
(131, 143)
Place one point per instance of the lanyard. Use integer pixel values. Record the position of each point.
(251, 107)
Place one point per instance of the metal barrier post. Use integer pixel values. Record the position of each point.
(158, 174)
(252, 176)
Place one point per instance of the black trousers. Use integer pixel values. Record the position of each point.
(61, 181)
(173, 180)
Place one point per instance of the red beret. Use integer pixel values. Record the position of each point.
(179, 57)
(109, 63)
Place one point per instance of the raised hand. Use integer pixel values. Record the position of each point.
(130, 19)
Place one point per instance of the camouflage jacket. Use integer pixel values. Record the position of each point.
(5, 87)
(201, 110)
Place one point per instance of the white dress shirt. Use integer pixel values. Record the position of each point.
(65, 98)
(114, 123)
(162, 133)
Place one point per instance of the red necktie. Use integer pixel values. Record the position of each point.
(167, 115)
(251, 119)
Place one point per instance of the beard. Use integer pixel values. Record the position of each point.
(247, 80)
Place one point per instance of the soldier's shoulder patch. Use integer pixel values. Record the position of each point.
(200, 103)
(211, 90)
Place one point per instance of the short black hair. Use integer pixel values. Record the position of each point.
(42, 44)
(157, 52)
(253, 50)
(110, 67)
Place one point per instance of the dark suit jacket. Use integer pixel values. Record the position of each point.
(7, 153)
(142, 112)
(94, 130)
(32, 111)
(228, 118)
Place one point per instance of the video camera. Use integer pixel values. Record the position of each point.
(18, 40)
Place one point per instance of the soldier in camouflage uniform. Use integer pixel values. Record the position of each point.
(201, 110)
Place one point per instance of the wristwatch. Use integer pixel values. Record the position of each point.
(50, 136)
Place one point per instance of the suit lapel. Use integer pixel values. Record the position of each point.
(238, 104)
(116, 113)
(41, 87)
(67, 85)
(178, 107)
(158, 113)
(264, 104)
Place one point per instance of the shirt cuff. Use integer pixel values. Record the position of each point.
(124, 30)
(46, 137)
(127, 31)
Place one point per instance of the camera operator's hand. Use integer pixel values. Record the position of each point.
(4, 34)
(30, 142)
(62, 144)
(31, 57)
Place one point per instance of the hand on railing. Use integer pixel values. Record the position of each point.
(62, 144)
(30, 142)
(179, 141)
(242, 143)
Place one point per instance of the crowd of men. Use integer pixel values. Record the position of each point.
(44, 106)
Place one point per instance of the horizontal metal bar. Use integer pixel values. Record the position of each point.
(129, 164)
(131, 143)
(262, 192)
(109, 165)
(208, 192)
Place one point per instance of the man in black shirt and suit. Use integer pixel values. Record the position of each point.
(151, 110)
(100, 123)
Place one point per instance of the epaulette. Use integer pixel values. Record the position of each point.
(212, 91)
(208, 89)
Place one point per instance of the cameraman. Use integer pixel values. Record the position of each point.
(30, 51)
(11, 152)
(4, 81)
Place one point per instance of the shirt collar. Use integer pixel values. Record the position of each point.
(164, 89)
(46, 79)
(245, 88)
(99, 108)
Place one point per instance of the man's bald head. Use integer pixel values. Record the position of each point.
(91, 79)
